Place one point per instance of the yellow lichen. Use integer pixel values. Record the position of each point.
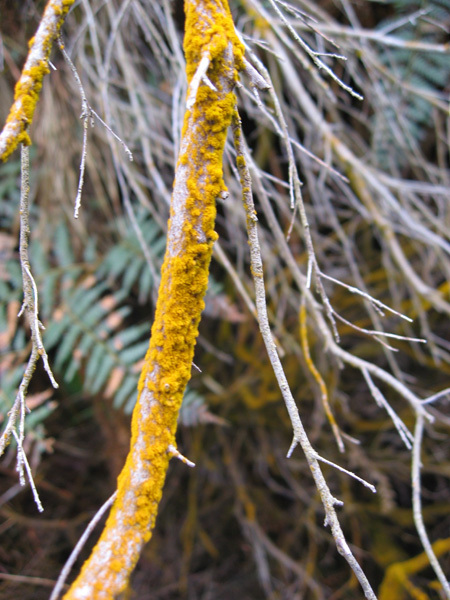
(26, 93)
(184, 280)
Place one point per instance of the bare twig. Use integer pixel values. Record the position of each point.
(22, 462)
(87, 114)
(403, 431)
(30, 310)
(300, 436)
(365, 483)
(379, 36)
(173, 451)
(371, 299)
(255, 77)
(437, 396)
(79, 546)
(417, 505)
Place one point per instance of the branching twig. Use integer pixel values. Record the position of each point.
(403, 431)
(87, 114)
(300, 436)
(30, 311)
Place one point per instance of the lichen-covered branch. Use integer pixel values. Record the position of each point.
(198, 182)
(28, 87)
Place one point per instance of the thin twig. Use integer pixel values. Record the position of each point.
(437, 396)
(403, 431)
(376, 333)
(22, 462)
(417, 505)
(173, 451)
(365, 483)
(31, 312)
(255, 77)
(296, 194)
(79, 546)
(315, 55)
(371, 299)
(87, 114)
(300, 436)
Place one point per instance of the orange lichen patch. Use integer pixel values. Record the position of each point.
(28, 87)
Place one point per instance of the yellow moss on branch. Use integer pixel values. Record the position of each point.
(27, 90)
(184, 279)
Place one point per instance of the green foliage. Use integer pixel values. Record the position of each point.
(9, 192)
(405, 112)
(90, 334)
(92, 338)
(125, 261)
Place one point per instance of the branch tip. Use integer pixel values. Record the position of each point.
(292, 447)
(177, 454)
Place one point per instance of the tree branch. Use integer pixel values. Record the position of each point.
(300, 435)
(28, 87)
(198, 182)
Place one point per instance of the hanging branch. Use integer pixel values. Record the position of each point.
(31, 312)
(300, 435)
(28, 87)
(184, 279)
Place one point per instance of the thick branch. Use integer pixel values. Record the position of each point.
(198, 181)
